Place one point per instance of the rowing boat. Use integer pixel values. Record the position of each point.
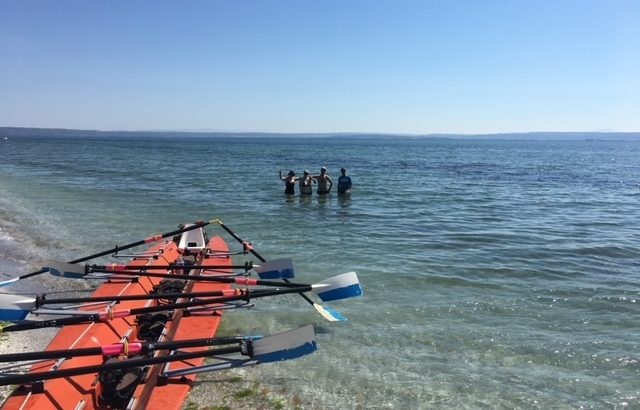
(136, 388)
(141, 338)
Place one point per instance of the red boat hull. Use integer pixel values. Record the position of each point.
(83, 392)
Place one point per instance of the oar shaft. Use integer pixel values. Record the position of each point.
(28, 275)
(116, 267)
(201, 278)
(247, 296)
(124, 364)
(54, 354)
(118, 348)
(149, 239)
(63, 321)
(151, 309)
(257, 255)
(229, 292)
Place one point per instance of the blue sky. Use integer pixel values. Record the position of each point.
(414, 67)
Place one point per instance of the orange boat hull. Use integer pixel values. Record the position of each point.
(83, 392)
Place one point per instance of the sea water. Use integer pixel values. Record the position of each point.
(496, 274)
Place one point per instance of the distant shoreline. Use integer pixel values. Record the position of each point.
(25, 132)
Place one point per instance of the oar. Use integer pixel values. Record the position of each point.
(72, 271)
(17, 307)
(334, 288)
(117, 349)
(172, 266)
(328, 313)
(273, 269)
(288, 345)
(117, 248)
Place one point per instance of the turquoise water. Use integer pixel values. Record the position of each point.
(497, 274)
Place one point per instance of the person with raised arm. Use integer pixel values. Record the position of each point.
(289, 182)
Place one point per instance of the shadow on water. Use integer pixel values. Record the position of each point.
(305, 200)
(324, 200)
(290, 199)
(344, 201)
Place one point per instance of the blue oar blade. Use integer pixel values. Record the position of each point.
(12, 315)
(67, 270)
(275, 269)
(15, 307)
(284, 346)
(338, 287)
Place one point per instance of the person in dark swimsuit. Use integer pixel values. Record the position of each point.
(289, 182)
(305, 183)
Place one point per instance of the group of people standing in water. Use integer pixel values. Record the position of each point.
(324, 182)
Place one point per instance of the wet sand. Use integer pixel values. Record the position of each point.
(23, 342)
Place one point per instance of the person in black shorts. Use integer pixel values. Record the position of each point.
(322, 180)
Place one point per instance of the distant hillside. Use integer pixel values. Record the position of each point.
(20, 132)
(548, 136)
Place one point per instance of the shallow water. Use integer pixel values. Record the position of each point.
(496, 273)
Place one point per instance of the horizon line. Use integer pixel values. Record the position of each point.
(205, 131)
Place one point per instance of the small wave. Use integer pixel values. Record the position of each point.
(451, 281)
(4, 236)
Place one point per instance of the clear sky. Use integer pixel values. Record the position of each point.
(321, 66)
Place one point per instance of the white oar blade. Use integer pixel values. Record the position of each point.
(330, 314)
(342, 286)
(8, 282)
(284, 346)
(275, 269)
(15, 307)
(67, 270)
